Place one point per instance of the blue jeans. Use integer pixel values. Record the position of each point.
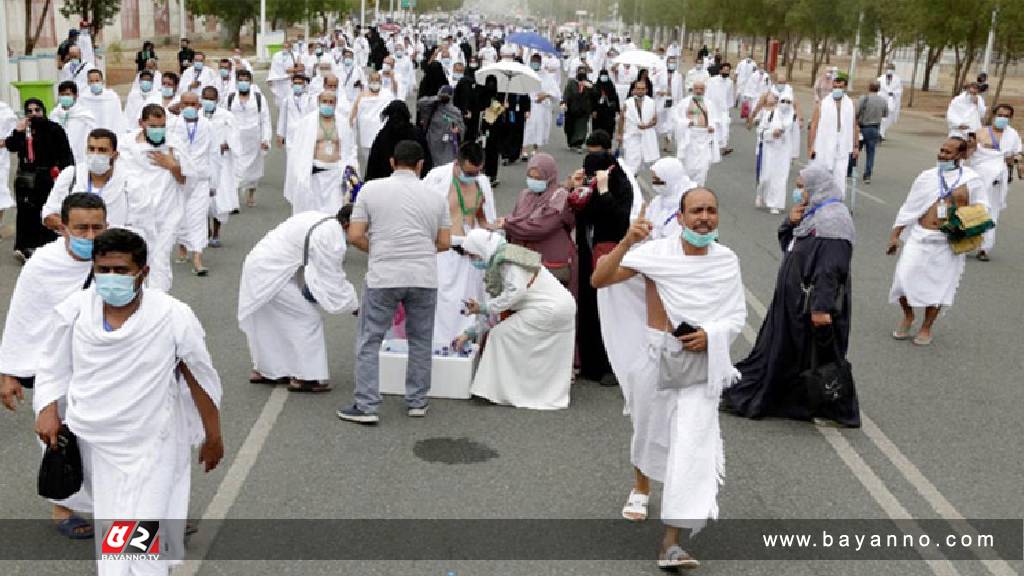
(375, 317)
(872, 136)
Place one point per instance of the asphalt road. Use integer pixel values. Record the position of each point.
(941, 437)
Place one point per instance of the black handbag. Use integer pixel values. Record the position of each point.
(60, 474)
(25, 179)
(826, 383)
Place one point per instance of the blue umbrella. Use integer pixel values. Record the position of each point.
(532, 40)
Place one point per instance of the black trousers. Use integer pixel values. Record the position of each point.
(29, 230)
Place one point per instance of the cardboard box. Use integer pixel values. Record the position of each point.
(450, 376)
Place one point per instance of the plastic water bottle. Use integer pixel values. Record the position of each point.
(560, 121)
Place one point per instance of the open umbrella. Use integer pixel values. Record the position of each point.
(639, 58)
(513, 77)
(532, 40)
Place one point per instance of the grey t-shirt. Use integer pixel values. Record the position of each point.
(403, 218)
(871, 109)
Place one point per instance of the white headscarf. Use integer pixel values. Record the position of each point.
(663, 207)
(483, 243)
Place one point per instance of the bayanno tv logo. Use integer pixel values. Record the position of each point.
(131, 540)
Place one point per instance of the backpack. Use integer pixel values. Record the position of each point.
(259, 101)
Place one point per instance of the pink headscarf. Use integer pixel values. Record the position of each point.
(554, 196)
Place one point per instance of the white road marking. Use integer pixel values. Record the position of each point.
(870, 196)
(231, 485)
(874, 485)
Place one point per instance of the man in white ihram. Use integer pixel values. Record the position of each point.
(55, 271)
(892, 91)
(695, 308)
(928, 272)
(696, 143)
(141, 391)
(291, 275)
(834, 134)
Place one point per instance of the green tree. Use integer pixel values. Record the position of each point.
(1009, 39)
(99, 13)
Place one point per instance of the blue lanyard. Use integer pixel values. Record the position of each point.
(811, 212)
(88, 185)
(992, 136)
(945, 191)
(192, 131)
(670, 217)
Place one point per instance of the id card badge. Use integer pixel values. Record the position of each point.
(941, 211)
(329, 148)
(445, 138)
(668, 103)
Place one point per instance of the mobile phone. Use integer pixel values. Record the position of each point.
(683, 329)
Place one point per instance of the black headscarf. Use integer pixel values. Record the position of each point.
(433, 79)
(37, 102)
(606, 86)
(397, 127)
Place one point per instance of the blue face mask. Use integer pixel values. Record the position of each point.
(326, 110)
(209, 105)
(699, 240)
(198, 66)
(297, 89)
(167, 91)
(189, 113)
(116, 290)
(798, 196)
(145, 85)
(536, 186)
(224, 73)
(66, 101)
(837, 93)
(947, 165)
(479, 264)
(467, 179)
(243, 86)
(156, 134)
(80, 247)
(1001, 123)
(96, 88)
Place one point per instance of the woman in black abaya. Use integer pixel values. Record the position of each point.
(817, 238)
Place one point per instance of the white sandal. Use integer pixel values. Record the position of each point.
(635, 509)
(676, 557)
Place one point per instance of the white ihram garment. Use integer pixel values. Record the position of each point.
(457, 279)
(676, 434)
(196, 140)
(775, 156)
(928, 272)
(165, 207)
(106, 108)
(527, 362)
(223, 185)
(7, 122)
(254, 129)
(639, 146)
(134, 416)
(695, 146)
(990, 164)
(285, 330)
(77, 122)
(833, 142)
(323, 191)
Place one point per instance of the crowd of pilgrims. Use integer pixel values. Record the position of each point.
(108, 193)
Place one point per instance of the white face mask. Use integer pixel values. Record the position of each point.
(98, 163)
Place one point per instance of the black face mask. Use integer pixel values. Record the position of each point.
(444, 99)
(595, 161)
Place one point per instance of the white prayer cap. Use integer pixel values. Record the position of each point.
(482, 243)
